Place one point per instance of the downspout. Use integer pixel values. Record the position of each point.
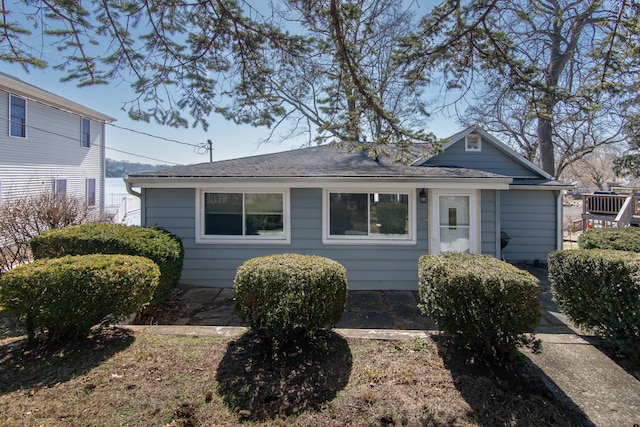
(134, 193)
(131, 191)
(103, 172)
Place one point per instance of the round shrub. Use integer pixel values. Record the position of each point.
(158, 245)
(68, 296)
(480, 302)
(600, 291)
(621, 239)
(287, 296)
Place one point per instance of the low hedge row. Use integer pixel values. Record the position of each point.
(287, 296)
(599, 289)
(480, 302)
(67, 296)
(158, 245)
(621, 239)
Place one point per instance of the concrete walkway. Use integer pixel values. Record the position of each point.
(600, 391)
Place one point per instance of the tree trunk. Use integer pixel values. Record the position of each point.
(545, 139)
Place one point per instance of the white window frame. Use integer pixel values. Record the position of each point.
(202, 238)
(56, 184)
(473, 142)
(434, 218)
(329, 239)
(24, 125)
(87, 191)
(83, 143)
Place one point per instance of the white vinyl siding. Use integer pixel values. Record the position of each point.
(53, 152)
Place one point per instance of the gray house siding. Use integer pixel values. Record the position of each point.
(490, 159)
(529, 217)
(368, 266)
(488, 218)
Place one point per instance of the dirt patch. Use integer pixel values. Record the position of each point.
(118, 377)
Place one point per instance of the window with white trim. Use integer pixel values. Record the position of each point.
(244, 216)
(85, 132)
(352, 216)
(17, 116)
(59, 186)
(91, 191)
(473, 142)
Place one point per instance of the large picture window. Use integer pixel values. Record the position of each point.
(244, 216)
(368, 215)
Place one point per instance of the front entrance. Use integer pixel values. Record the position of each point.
(454, 221)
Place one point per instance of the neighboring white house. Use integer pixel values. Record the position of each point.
(49, 144)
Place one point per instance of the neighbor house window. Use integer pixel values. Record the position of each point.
(60, 186)
(91, 191)
(473, 143)
(353, 216)
(86, 132)
(244, 216)
(17, 116)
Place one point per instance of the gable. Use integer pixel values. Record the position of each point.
(491, 156)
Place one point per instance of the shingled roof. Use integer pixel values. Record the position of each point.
(314, 162)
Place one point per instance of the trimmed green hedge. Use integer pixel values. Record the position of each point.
(287, 296)
(158, 245)
(620, 239)
(480, 302)
(68, 296)
(599, 290)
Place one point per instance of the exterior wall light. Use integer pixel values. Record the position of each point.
(423, 196)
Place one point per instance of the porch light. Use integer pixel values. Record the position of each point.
(423, 196)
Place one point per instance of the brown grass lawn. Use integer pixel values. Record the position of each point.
(119, 377)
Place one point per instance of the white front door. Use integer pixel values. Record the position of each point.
(454, 221)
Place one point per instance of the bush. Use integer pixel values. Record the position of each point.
(24, 217)
(480, 302)
(284, 297)
(621, 239)
(161, 247)
(69, 295)
(600, 291)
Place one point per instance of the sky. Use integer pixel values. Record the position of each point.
(229, 140)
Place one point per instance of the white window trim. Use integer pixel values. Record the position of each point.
(11, 118)
(82, 119)
(95, 191)
(201, 238)
(466, 142)
(434, 215)
(327, 239)
(57, 182)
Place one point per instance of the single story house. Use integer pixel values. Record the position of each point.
(374, 216)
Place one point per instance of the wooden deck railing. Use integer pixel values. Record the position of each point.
(605, 204)
(620, 207)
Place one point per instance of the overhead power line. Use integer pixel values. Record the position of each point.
(100, 145)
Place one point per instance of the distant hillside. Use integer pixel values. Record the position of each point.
(120, 168)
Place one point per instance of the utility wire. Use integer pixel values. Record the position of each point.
(102, 145)
(155, 136)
